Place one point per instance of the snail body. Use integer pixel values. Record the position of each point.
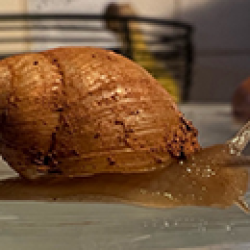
(85, 123)
(212, 177)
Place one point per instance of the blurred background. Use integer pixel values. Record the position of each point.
(205, 53)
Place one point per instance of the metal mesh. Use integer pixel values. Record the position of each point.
(161, 46)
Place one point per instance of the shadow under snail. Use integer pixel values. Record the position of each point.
(82, 124)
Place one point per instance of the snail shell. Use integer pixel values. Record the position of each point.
(85, 123)
(81, 111)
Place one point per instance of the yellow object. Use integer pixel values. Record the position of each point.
(13, 7)
(140, 51)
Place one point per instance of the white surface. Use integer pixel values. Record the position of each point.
(43, 225)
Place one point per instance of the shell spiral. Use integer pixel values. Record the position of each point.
(78, 111)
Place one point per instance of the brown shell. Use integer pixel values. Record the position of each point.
(78, 111)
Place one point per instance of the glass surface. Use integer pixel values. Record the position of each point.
(91, 226)
(41, 225)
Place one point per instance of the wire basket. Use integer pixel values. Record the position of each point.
(161, 46)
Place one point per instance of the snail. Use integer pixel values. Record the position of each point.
(82, 123)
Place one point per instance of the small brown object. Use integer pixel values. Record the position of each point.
(241, 101)
(85, 122)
